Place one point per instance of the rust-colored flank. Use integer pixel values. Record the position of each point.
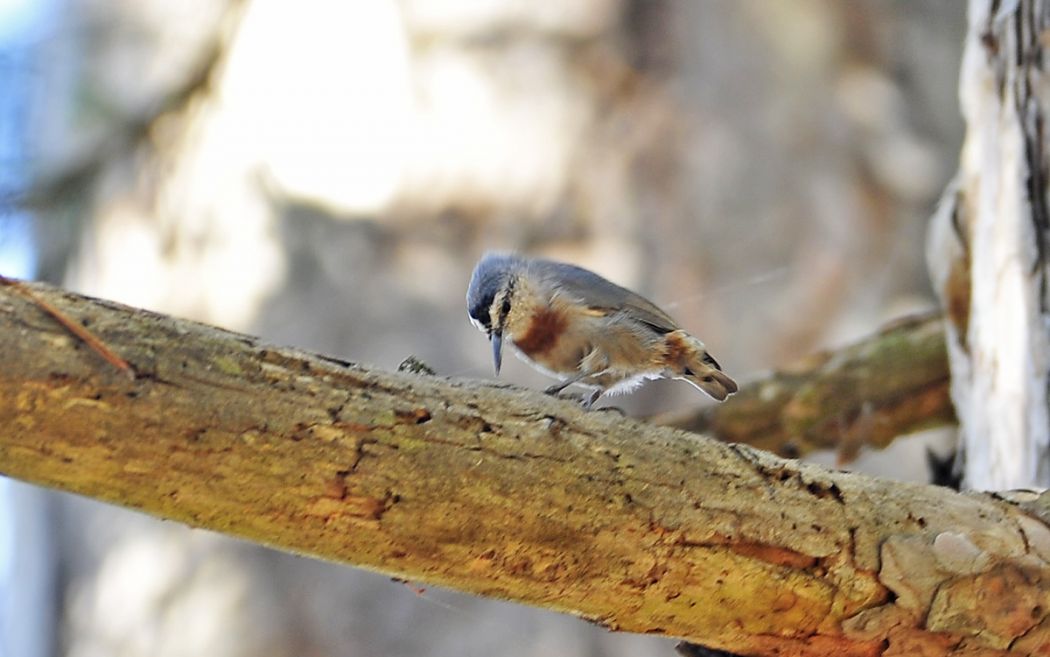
(545, 327)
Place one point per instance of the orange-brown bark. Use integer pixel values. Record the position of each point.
(513, 494)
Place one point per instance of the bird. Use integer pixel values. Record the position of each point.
(580, 328)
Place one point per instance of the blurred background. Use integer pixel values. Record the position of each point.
(325, 174)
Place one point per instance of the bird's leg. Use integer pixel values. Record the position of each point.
(589, 400)
(558, 387)
(592, 364)
(586, 401)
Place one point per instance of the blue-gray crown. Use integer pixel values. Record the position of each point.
(490, 274)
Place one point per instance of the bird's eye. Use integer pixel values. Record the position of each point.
(688, 372)
(506, 307)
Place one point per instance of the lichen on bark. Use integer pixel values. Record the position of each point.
(512, 494)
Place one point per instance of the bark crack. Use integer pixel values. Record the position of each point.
(580, 511)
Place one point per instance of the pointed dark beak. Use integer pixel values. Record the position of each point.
(497, 350)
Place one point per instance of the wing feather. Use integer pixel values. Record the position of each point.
(600, 295)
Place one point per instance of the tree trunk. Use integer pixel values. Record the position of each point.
(988, 250)
(512, 494)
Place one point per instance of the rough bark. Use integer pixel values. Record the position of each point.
(988, 249)
(512, 494)
(888, 385)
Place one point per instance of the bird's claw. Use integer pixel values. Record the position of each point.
(585, 400)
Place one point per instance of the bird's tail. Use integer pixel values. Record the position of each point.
(689, 359)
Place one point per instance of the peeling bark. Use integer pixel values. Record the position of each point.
(988, 249)
(891, 384)
(512, 494)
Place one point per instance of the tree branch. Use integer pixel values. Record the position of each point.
(512, 494)
(893, 383)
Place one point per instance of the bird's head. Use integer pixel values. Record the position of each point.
(490, 296)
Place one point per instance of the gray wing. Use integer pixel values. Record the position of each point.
(600, 294)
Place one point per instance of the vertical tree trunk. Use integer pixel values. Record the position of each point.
(988, 249)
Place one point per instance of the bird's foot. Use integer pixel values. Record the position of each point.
(559, 392)
(586, 400)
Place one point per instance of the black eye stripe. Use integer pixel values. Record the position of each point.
(504, 309)
(481, 309)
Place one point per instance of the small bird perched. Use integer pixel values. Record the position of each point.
(573, 324)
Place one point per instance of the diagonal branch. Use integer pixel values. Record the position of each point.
(511, 494)
(888, 385)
